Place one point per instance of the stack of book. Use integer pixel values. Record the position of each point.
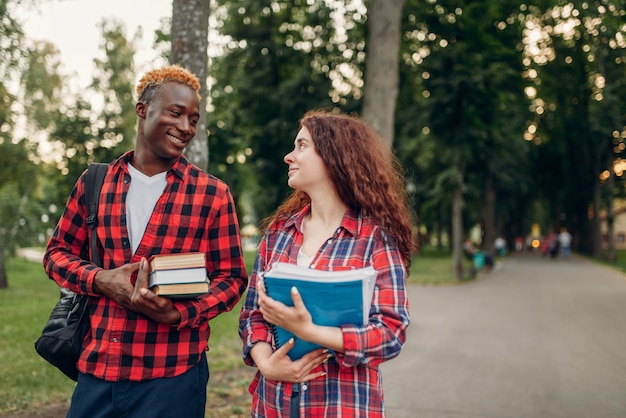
(179, 276)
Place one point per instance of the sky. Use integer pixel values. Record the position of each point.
(72, 26)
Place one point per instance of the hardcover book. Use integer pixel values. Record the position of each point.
(182, 290)
(179, 268)
(333, 298)
(177, 261)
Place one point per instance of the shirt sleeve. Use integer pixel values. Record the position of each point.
(66, 259)
(227, 272)
(385, 333)
(252, 327)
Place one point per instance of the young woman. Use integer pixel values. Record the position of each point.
(349, 210)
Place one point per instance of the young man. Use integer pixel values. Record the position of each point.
(145, 354)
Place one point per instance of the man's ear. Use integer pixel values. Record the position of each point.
(140, 109)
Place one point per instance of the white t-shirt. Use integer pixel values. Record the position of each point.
(303, 259)
(143, 194)
(565, 239)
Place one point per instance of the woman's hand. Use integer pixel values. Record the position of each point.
(278, 365)
(295, 319)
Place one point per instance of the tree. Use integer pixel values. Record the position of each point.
(381, 73)
(470, 79)
(11, 55)
(278, 60)
(17, 185)
(114, 82)
(189, 48)
(41, 92)
(578, 62)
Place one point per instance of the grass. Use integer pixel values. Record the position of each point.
(434, 267)
(27, 381)
(618, 264)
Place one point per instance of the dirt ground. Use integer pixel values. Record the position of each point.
(227, 397)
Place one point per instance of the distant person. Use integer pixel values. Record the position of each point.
(145, 355)
(565, 242)
(469, 249)
(550, 245)
(348, 210)
(478, 258)
(500, 246)
(554, 245)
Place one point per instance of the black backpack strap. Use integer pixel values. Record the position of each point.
(93, 184)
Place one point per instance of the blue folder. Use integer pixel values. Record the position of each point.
(333, 298)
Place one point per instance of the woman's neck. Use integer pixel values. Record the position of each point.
(321, 223)
(327, 211)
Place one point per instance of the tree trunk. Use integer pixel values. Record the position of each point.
(190, 44)
(381, 71)
(610, 220)
(440, 230)
(488, 212)
(457, 225)
(4, 281)
(596, 233)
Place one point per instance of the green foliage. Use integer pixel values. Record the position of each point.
(462, 112)
(20, 210)
(12, 35)
(276, 65)
(580, 131)
(42, 85)
(115, 83)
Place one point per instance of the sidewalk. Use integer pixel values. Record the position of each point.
(536, 338)
(30, 254)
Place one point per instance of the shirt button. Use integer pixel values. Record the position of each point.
(304, 387)
(114, 340)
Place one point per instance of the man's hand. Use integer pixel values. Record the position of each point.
(116, 284)
(144, 300)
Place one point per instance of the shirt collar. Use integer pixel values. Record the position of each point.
(351, 221)
(180, 168)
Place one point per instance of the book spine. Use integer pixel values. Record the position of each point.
(277, 341)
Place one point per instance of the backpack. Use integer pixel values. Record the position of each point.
(61, 339)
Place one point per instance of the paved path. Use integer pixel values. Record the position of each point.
(536, 338)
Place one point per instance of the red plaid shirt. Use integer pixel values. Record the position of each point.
(352, 386)
(194, 213)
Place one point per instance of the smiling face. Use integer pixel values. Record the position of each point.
(166, 125)
(307, 170)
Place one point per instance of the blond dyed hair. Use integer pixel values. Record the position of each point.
(152, 82)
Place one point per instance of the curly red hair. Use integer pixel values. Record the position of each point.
(152, 81)
(367, 175)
